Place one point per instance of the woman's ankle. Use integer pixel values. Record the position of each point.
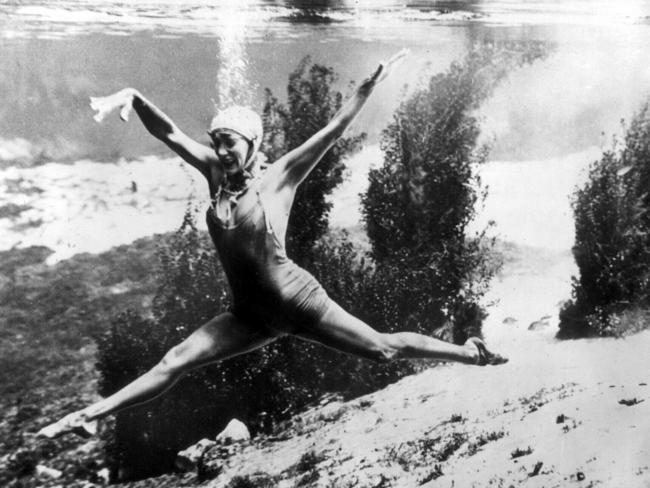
(473, 351)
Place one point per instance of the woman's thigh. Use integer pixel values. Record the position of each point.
(220, 338)
(340, 330)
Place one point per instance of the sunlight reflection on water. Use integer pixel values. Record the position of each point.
(48, 19)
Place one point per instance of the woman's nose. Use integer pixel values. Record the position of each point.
(221, 151)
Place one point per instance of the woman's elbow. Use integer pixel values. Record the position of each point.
(169, 135)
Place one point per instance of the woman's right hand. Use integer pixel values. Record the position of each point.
(123, 100)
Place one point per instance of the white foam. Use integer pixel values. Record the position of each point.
(346, 200)
(530, 201)
(91, 207)
(16, 149)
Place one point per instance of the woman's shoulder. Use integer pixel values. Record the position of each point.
(275, 178)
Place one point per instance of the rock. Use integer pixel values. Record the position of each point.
(539, 324)
(235, 431)
(104, 475)
(87, 448)
(48, 472)
(190, 458)
(629, 402)
(23, 462)
(509, 321)
(329, 398)
(332, 412)
(536, 469)
(562, 303)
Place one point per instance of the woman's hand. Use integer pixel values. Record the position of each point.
(123, 100)
(384, 69)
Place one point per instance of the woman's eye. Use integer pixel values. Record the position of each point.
(225, 141)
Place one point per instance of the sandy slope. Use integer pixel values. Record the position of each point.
(403, 434)
(460, 426)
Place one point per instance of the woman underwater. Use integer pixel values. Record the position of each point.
(247, 221)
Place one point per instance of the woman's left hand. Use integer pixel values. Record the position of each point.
(122, 100)
(386, 67)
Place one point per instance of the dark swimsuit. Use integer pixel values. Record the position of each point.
(268, 288)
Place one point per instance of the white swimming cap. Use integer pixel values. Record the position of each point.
(242, 120)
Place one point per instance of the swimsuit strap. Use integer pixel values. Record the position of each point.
(233, 197)
(267, 220)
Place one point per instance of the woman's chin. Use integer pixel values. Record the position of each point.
(233, 170)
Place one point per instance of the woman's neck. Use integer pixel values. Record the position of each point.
(238, 181)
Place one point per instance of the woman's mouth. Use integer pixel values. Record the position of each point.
(229, 163)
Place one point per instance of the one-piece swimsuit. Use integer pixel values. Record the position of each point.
(269, 290)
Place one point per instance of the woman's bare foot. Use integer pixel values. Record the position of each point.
(74, 423)
(485, 356)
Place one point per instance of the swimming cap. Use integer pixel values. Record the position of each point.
(242, 120)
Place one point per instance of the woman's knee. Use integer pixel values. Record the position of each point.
(394, 346)
(174, 363)
(385, 348)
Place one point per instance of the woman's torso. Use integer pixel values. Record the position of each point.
(267, 287)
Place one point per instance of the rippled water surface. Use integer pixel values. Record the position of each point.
(48, 19)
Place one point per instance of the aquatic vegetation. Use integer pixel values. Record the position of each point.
(421, 200)
(521, 452)
(612, 243)
(311, 103)
(483, 439)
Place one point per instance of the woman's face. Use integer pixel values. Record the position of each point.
(232, 150)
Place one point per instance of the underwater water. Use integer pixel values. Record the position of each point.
(75, 185)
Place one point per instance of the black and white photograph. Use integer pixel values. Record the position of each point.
(325, 243)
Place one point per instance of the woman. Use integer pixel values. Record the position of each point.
(247, 222)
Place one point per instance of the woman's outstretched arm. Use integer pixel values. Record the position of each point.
(157, 123)
(298, 163)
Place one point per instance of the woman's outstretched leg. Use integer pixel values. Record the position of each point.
(222, 337)
(341, 330)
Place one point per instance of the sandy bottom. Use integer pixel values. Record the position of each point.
(573, 413)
